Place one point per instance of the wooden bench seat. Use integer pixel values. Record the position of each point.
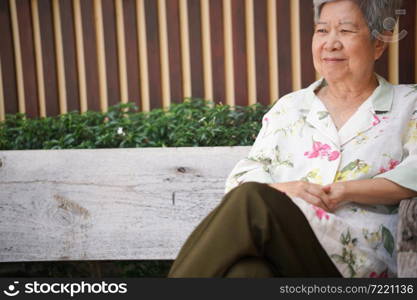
(123, 204)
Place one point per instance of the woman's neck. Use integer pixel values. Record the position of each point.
(349, 93)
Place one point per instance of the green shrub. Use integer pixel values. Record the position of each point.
(195, 122)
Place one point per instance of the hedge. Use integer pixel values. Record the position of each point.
(195, 122)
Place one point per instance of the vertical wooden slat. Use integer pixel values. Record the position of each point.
(228, 50)
(415, 46)
(163, 41)
(90, 51)
(110, 48)
(132, 57)
(239, 53)
(393, 53)
(101, 55)
(143, 55)
(2, 110)
(284, 51)
(39, 58)
(262, 44)
(381, 65)
(60, 66)
(82, 83)
(28, 57)
(174, 50)
(185, 49)
(207, 59)
(121, 51)
(308, 74)
(407, 48)
(250, 48)
(18, 57)
(154, 58)
(196, 59)
(273, 51)
(217, 49)
(49, 57)
(69, 54)
(295, 44)
(6, 55)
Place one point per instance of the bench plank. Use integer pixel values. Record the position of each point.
(107, 204)
(124, 204)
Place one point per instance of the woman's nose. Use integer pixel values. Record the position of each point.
(332, 43)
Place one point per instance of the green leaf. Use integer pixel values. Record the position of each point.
(338, 258)
(388, 240)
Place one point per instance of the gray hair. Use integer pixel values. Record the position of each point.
(380, 15)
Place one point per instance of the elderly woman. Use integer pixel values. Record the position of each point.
(319, 191)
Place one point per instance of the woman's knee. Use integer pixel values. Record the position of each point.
(253, 193)
(250, 267)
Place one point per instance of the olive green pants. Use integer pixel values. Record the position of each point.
(256, 231)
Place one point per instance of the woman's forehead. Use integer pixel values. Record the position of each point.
(341, 12)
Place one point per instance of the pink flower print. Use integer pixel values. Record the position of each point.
(376, 120)
(334, 155)
(266, 119)
(382, 170)
(320, 213)
(393, 163)
(322, 150)
(383, 274)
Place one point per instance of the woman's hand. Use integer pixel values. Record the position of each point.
(336, 195)
(310, 192)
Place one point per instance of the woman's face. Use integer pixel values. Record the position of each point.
(342, 48)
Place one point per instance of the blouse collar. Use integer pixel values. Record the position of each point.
(381, 98)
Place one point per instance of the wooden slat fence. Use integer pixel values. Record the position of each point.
(62, 55)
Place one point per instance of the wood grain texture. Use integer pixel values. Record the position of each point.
(109, 203)
(407, 239)
(407, 264)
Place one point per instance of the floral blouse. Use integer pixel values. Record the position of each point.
(299, 141)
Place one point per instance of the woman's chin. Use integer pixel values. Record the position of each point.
(334, 75)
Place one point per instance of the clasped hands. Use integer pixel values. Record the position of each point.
(328, 197)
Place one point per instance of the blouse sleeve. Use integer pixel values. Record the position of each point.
(254, 167)
(405, 173)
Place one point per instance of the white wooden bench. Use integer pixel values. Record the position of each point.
(123, 204)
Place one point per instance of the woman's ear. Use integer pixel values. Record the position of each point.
(381, 43)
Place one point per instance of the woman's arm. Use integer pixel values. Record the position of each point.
(366, 191)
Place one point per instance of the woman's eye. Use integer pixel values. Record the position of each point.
(321, 30)
(345, 30)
